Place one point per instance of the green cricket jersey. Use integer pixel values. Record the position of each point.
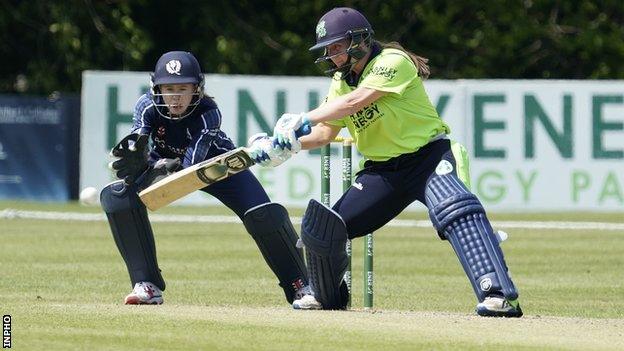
(398, 123)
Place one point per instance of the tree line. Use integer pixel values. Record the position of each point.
(46, 45)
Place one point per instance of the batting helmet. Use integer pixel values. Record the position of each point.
(338, 24)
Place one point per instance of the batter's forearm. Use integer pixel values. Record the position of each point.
(344, 105)
(308, 143)
(321, 135)
(332, 110)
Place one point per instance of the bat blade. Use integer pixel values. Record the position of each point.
(195, 177)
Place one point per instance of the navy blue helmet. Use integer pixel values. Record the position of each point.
(338, 24)
(176, 67)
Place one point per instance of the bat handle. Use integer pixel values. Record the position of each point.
(305, 129)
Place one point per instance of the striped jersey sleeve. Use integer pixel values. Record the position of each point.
(143, 112)
(207, 139)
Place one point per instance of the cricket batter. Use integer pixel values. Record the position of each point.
(183, 125)
(377, 93)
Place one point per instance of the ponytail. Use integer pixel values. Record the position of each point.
(419, 61)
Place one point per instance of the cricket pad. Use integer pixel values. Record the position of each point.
(276, 238)
(324, 235)
(131, 229)
(459, 217)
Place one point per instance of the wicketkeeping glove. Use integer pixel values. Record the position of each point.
(131, 152)
(160, 170)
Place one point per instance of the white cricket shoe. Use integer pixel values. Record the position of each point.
(301, 292)
(495, 306)
(306, 301)
(144, 293)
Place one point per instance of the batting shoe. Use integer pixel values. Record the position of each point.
(144, 293)
(304, 300)
(496, 306)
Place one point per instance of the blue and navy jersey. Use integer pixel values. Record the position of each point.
(192, 139)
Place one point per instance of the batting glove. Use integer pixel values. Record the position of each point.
(260, 149)
(285, 131)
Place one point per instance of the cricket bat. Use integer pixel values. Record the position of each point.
(197, 176)
(200, 175)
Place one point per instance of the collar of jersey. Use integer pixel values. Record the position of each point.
(352, 79)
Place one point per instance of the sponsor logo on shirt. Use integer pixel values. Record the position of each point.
(386, 72)
(366, 116)
(160, 143)
(161, 132)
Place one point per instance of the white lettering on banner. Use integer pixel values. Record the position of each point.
(536, 145)
(29, 115)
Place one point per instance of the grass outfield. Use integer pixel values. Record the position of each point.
(63, 283)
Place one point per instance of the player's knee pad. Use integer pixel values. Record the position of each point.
(276, 237)
(118, 196)
(324, 235)
(132, 232)
(459, 217)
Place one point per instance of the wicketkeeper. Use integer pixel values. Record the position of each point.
(183, 125)
(377, 93)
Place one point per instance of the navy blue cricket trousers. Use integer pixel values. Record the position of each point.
(239, 192)
(383, 189)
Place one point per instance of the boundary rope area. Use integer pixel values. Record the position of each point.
(91, 217)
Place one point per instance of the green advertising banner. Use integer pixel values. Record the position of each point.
(533, 144)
